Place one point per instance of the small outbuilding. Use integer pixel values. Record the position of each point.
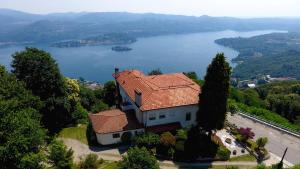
(110, 125)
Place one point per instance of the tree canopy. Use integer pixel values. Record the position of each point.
(21, 134)
(138, 158)
(214, 94)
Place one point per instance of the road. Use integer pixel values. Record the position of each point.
(278, 140)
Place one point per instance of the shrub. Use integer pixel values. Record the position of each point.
(126, 137)
(59, 156)
(179, 146)
(91, 161)
(181, 134)
(261, 142)
(91, 135)
(252, 144)
(261, 166)
(246, 133)
(138, 158)
(167, 139)
(223, 153)
(80, 114)
(148, 140)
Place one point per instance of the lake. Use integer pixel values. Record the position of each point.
(170, 53)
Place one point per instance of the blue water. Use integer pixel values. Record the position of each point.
(170, 53)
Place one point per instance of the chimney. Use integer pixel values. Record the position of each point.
(138, 97)
(116, 71)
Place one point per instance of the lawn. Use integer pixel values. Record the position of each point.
(77, 133)
(246, 157)
(109, 165)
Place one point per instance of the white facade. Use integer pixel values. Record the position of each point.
(162, 116)
(108, 138)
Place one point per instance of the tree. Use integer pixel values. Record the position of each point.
(213, 98)
(148, 140)
(40, 73)
(91, 161)
(261, 142)
(246, 133)
(59, 156)
(138, 158)
(80, 115)
(21, 134)
(109, 93)
(155, 72)
(100, 106)
(72, 89)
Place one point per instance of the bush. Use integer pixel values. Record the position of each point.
(179, 146)
(167, 139)
(261, 166)
(223, 153)
(252, 144)
(138, 158)
(80, 114)
(246, 133)
(91, 135)
(148, 140)
(90, 162)
(59, 156)
(181, 134)
(261, 142)
(126, 137)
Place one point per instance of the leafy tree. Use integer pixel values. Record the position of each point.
(91, 161)
(215, 91)
(100, 106)
(72, 89)
(109, 93)
(21, 135)
(40, 73)
(155, 72)
(87, 97)
(138, 158)
(80, 114)
(59, 156)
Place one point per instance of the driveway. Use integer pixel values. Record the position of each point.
(278, 140)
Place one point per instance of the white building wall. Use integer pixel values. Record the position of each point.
(125, 97)
(106, 139)
(174, 114)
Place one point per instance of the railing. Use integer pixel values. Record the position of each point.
(271, 124)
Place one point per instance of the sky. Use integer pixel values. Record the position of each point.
(236, 8)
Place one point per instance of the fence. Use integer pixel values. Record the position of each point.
(271, 124)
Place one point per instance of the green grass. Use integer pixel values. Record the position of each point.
(77, 133)
(109, 165)
(246, 157)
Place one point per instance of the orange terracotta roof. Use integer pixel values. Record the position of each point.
(159, 91)
(113, 121)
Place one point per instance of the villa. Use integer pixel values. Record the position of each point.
(155, 103)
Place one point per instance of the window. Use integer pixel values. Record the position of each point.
(188, 116)
(116, 135)
(152, 116)
(162, 115)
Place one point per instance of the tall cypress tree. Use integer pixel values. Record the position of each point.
(214, 94)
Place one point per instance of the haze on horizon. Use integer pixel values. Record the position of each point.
(234, 8)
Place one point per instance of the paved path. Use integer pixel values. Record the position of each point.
(114, 154)
(278, 140)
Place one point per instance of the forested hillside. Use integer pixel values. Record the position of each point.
(20, 27)
(278, 102)
(276, 54)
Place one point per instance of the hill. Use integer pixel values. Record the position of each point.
(276, 54)
(23, 27)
